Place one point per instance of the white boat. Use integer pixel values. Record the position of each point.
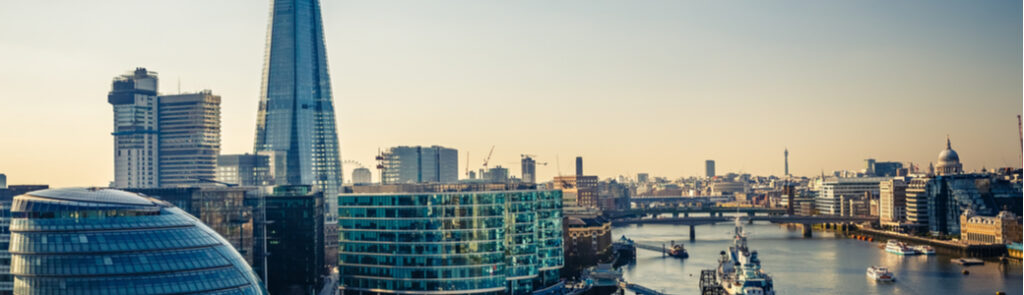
(898, 248)
(880, 274)
(739, 269)
(924, 249)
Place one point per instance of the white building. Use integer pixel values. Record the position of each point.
(833, 190)
(892, 205)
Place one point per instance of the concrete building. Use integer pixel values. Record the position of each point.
(832, 190)
(642, 177)
(578, 190)
(245, 169)
(362, 175)
(892, 202)
(136, 129)
(1004, 228)
(709, 168)
(3, 181)
(418, 164)
(918, 191)
(496, 174)
(189, 137)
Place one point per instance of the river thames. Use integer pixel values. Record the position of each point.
(824, 264)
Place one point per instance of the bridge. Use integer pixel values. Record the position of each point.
(686, 211)
(694, 200)
(805, 221)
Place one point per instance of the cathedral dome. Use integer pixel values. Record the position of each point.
(949, 161)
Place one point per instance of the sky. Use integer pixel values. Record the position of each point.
(632, 86)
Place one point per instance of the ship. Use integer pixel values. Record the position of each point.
(625, 250)
(924, 249)
(898, 248)
(739, 269)
(678, 251)
(881, 274)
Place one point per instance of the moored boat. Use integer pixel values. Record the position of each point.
(881, 274)
(678, 251)
(898, 248)
(924, 249)
(739, 269)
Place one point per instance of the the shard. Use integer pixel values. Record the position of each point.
(296, 111)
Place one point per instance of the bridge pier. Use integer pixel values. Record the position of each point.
(807, 230)
(686, 214)
(675, 214)
(693, 233)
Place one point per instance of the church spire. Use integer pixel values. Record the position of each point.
(948, 145)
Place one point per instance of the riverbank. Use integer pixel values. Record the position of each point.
(948, 247)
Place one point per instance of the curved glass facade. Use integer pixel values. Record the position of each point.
(103, 241)
(493, 242)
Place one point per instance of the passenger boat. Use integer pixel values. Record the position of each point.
(924, 249)
(678, 251)
(881, 274)
(898, 248)
(739, 270)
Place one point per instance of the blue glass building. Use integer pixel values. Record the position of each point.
(296, 111)
(450, 239)
(104, 241)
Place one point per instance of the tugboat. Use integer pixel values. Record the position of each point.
(881, 274)
(739, 270)
(625, 251)
(678, 251)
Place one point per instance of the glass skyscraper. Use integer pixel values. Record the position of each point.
(105, 241)
(296, 111)
(452, 239)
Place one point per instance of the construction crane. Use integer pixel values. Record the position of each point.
(359, 165)
(488, 159)
(467, 164)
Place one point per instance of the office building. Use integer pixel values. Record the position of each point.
(83, 241)
(831, 192)
(709, 168)
(469, 238)
(892, 202)
(362, 175)
(3, 181)
(418, 164)
(496, 174)
(296, 110)
(529, 169)
(785, 156)
(918, 192)
(951, 195)
(579, 166)
(189, 126)
(136, 134)
(1004, 228)
(246, 169)
(886, 169)
(296, 252)
(6, 281)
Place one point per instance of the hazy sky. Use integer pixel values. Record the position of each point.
(632, 86)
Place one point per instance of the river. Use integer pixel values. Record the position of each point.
(824, 264)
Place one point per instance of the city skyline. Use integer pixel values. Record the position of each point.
(636, 100)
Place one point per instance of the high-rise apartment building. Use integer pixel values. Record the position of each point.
(136, 134)
(709, 168)
(189, 126)
(450, 239)
(296, 109)
(418, 164)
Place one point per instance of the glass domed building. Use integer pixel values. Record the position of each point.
(106, 241)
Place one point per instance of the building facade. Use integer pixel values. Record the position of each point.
(949, 161)
(709, 168)
(296, 252)
(362, 175)
(1004, 228)
(189, 126)
(829, 200)
(449, 239)
(245, 169)
(418, 164)
(529, 169)
(892, 202)
(579, 191)
(79, 241)
(136, 134)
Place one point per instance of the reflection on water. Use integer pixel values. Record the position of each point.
(824, 264)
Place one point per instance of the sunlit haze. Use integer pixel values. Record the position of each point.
(632, 86)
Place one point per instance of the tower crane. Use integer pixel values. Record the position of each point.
(488, 159)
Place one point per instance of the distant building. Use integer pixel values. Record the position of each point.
(612, 196)
(785, 155)
(918, 191)
(588, 239)
(892, 202)
(3, 181)
(529, 169)
(831, 193)
(417, 164)
(1004, 228)
(579, 166)
(466, 238)
(246, 169)
(496, 174)
(119, 243)
(6, 281)
(189, 126)
(642, 177)
(362, 175)
(724, 187)
(709, 168)
(949, 161)
(578, 190)
(20, 189)
(136, 129)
